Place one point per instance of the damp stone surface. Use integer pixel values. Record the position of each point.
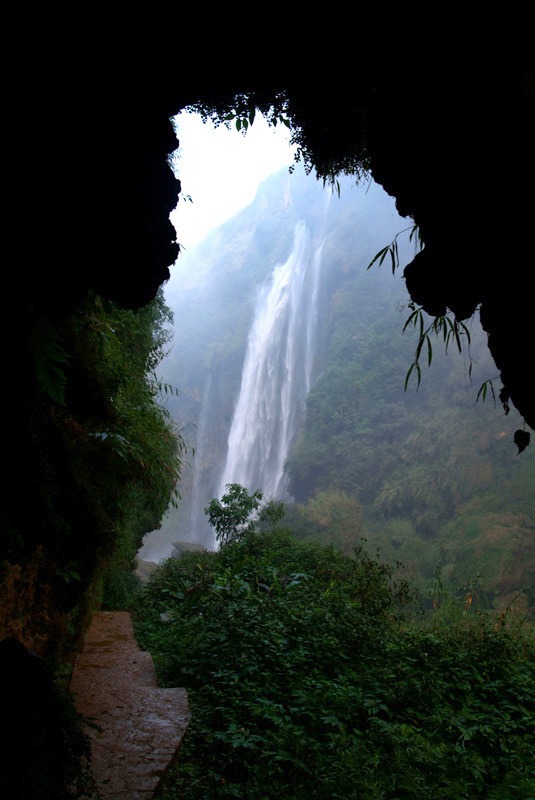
(135, 728)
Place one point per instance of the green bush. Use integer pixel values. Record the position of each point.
(310, 676)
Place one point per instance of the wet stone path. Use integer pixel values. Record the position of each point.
(135, 728)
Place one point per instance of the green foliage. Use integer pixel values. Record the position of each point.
(120, 586)
(270, 515)
(139, 443)
(308, 679)
(101, 462)
(447, 325)
(483, 389)
(231, 516)
(50, 359)
(450, 328)
(241, 106)
(392, 249)
(290, 107)
(413, 459)
(329, 517)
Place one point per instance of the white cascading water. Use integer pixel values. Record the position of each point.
(277, 372)
(200, 530)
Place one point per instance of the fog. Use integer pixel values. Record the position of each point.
(290, 362)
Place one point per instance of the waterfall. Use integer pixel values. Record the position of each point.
(277, 372)
(200, 530)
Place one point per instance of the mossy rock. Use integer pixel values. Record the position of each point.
(179, 548)
(144, 569)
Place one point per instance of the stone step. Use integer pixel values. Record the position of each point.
(138, 665)
(134, 727)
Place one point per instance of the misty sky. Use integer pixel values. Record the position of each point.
(221, 169)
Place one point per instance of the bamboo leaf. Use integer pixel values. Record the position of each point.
(410, 319)
(418, 372)
(384, 255)
(466, 331)
(409, 375)
(419, 348)
(482, 390)
(377, 255)
(415, 234)
(457, 339)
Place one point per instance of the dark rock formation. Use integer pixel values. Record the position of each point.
(36, 755)
(470, 163)
(96, 214)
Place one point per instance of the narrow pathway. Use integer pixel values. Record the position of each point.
(139, 726)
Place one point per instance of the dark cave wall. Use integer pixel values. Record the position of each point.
(473, 167)
(88, 194)
(89, 202)
(96, 217)
(97, 213)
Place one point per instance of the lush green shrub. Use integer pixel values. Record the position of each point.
(308, 677)
(104, 461)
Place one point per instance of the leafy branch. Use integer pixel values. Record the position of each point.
(232, 516)
(488, 384)
(158, 386)
(244, 117)
(393, 250)
(333, 182)
(450, 328)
